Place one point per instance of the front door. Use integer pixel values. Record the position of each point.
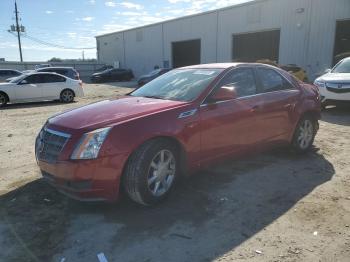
(29, 88)
(229, 126)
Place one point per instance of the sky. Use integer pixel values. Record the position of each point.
(75, 23)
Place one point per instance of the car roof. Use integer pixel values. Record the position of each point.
(223, 65)
(43, 73)
(9, 70)
(55, 67)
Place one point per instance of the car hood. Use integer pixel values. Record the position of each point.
(5, 84)
(110, 112)
(335, 77)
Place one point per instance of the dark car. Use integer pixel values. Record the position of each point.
(114, 74)
(8, 73)
(103, 68)
(144, 79)
(65, 71)
(184, 120)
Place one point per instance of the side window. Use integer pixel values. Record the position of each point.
(61, 72)
(272, 81)
(34, 79)
(243, 80)
(54, 79)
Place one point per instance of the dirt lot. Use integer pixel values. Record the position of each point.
(271, 207)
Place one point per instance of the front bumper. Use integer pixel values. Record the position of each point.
(333, 93)
(85, 180)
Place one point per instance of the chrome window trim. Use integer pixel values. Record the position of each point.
(58, 133)
(246, 97)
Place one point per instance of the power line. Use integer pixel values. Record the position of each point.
(42, 42)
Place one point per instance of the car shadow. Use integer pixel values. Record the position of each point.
(206, 216)
(33, 104)
(339, 115)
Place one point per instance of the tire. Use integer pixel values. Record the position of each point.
(304, 134)
(67, 96)
(151, 172)
(3, 99)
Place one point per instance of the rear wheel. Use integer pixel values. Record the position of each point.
(151, 172)
(304, 134)
(67, 96)
(3, 99)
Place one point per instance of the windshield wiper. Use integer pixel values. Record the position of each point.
(155, 97)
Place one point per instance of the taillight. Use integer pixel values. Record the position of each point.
(81, 83)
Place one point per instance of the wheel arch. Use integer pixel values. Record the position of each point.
(7, 96)
(67, 88)
(180, 147)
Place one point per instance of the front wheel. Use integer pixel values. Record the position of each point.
(3, 100)
(304, 134)
(151, 172)
(67, 96)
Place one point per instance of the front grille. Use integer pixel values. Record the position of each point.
(338, 87)
(50, 144)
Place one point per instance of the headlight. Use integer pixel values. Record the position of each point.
(320, 83)
(90, 144)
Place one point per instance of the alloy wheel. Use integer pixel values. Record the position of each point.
(67, 96)
(306, 132)
(3, 100)
(161, 173)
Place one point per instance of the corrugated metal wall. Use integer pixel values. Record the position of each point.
(307, 34)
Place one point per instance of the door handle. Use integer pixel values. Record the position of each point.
(256, 108)
(287, 106)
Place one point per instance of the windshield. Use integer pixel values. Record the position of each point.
(179, 85)
(342, 67)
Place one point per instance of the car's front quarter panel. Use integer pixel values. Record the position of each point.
(126, 137)
(10, 90)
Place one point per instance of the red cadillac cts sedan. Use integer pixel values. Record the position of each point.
(188, 118)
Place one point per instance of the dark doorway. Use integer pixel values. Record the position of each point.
(186, 53)
(342, 41)
(250, 47)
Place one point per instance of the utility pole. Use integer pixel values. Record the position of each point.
(18, 29)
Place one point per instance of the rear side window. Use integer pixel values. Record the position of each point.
(62, 72)
(54, 78)
(243, 80)
(272, 81)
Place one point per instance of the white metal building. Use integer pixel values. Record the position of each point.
(309, 33)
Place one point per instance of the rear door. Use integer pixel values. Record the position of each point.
(274, 110)
(30, 88)
(52, 85)
(229, 126)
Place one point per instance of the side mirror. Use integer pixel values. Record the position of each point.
(23, 82)
(224, 93)
(327, 71)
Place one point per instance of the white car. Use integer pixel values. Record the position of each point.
(39, 87)
(335, 85)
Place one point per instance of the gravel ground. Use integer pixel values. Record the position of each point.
(275, 206)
